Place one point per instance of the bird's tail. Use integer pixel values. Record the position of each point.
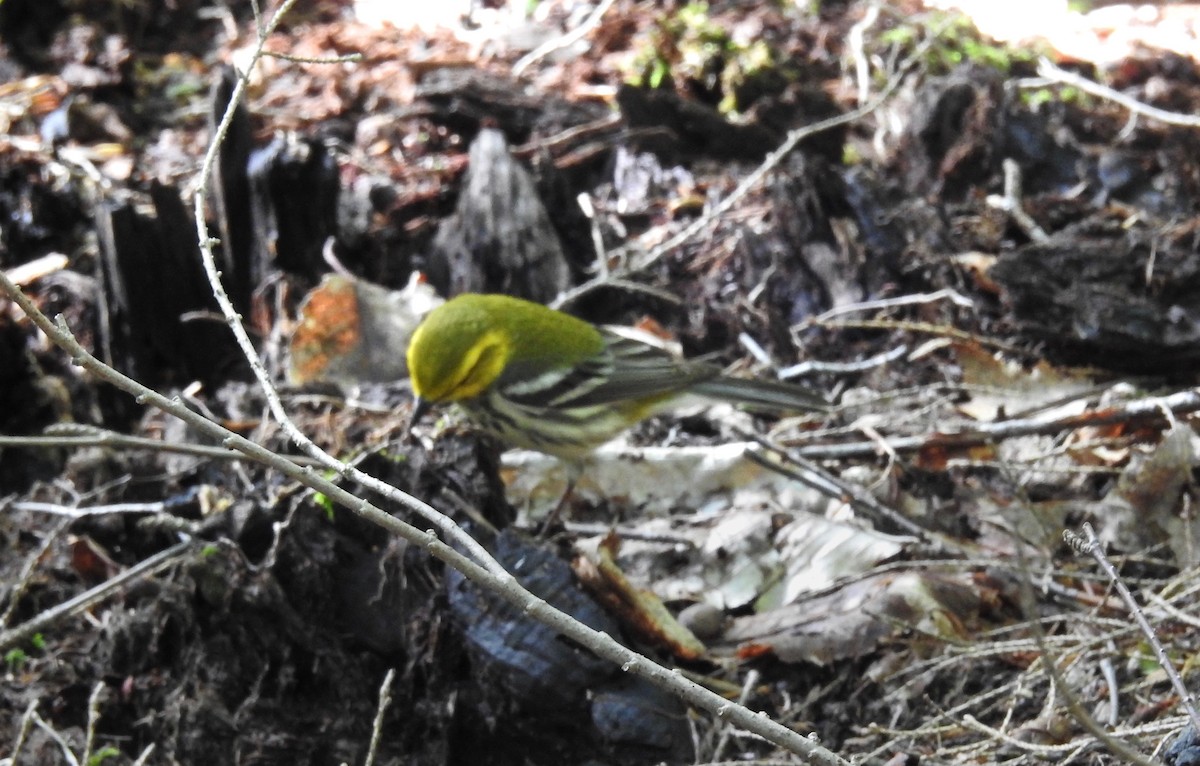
(761, 394)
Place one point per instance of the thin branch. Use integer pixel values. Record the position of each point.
(929, 328)
(443, 523)
(1010, 202)
(856, 42)
(1049, 662)
(944, 294)
(57, 509)
(145, 755)
(156, 563)
(812, 367)
(349, 58)
(501, 583)
(1004, 738)
(26, 576)
(1090, 545)
(23, 732)
(58, 738)
(93, 719)
(98, 437)
(565, 41)
(809, 474)
(1051, 72)
(1183, 402)
(748, 685)
(385, 701)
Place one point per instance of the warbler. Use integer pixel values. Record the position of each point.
(545, 380)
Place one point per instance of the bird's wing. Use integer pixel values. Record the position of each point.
(627, 371)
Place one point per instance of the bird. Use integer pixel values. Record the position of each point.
(542, 379)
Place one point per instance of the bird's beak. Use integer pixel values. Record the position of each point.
(419, 408)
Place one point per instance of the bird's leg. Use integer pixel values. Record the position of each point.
(574, 470)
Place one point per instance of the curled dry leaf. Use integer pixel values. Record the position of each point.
(637, 608)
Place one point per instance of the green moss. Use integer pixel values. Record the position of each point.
(102, 755)
(957, 42)
(690, 51)
(15, 659)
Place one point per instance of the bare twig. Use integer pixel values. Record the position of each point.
(918, 299)
(1010, 202)
(1174, 612)
(144, 757)
(842, 368)
(156, 563)
(1114, 688)
(857, 44)
(26, 576)
(1051, 72)
(57, 509)
(385, 701)
(78, 435)
(59, 739)
(38, 268)
(1002, 737)
(1090, 545)
(1049, 662)
(811, 475)
(93, 719)
(584, 200)
(928, 328)
(23, 732)
(1136, 411)
(564, 41)
(747, 687)
(349, 58)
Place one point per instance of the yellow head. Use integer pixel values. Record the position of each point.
(473, 341)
